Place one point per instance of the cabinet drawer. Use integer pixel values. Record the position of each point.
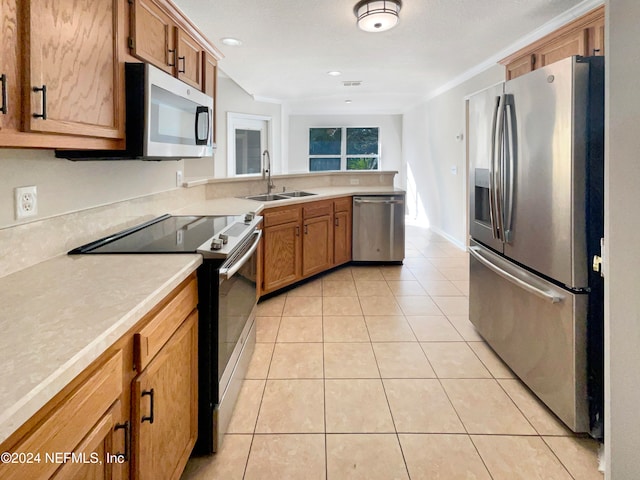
(152, 337)
(317, 209)
(278, 216)
(69, 422)
(342, 204)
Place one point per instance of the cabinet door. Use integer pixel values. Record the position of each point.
(317, 245)
(574, 43)
(152, 33)
(165, 407)
(189, 64)
(10, 101)
(520, 66)
(73, 79)
(342, 238)
(101, 450)
(596, 37)
(210, 82)
(281, 255)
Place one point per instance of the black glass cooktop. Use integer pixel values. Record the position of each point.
(166, 234)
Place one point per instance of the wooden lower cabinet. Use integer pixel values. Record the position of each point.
(120, 420)
(102, 450)
(165, 407)
(317, 245)
(303, 240)
(281, 255)
(342, 238)
(87, 416)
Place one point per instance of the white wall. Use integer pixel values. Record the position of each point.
(232, 98)
(430, 149)
(390, 139)
(65, 186)
(622, 234)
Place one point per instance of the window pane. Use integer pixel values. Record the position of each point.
(367, 163)
(325, 141)
(247, 151)
(319, 164)
(362, 141)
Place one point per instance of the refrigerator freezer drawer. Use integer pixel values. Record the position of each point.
(537, 328)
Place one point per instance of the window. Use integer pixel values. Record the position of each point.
(344, 148)
(248, 137)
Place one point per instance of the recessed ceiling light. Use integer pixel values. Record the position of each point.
(231, 42)
(347, 101)
(334, 73)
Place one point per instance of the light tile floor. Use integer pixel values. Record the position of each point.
(376, 373)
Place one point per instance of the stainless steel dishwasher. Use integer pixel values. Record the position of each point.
(378, 228)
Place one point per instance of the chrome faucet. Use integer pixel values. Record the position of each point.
(267, 170)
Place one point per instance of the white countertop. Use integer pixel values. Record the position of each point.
(60, 315)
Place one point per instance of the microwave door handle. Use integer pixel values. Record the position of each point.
(512, 152)
(202, 112)
(228, 271)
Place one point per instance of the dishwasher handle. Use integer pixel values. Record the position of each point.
(387, 202)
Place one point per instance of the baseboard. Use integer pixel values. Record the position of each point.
(451, 239)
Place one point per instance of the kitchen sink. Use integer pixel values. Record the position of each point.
(267, 197)
(297, 194)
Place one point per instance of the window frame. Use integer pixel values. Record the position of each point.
(343, 150)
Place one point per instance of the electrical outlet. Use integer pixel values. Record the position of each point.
(179, 178)
(26, 202)
(354, 181)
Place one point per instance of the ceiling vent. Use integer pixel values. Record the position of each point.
(352, 83)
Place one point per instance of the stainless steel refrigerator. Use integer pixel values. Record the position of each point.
(536, 218)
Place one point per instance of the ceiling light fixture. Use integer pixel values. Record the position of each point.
(334, 73)
(377, 15)
(231, 42)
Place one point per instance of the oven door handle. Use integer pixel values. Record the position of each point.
(228, 271)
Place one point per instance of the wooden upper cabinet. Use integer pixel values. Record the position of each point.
(10, 101)
(72, 77)
(520, 66)
(153, 35)
(574, 43)
(584, 36)
(189, 64)
(160, 39)
(210, 82)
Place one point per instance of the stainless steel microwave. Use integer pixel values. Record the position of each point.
(166, 119)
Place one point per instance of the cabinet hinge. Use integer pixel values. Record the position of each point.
(533, 59)
(131, 42)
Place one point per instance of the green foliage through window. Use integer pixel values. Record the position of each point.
(344, 148)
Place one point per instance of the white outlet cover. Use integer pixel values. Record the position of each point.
(26, 202)
(179, 178)
(354, 181)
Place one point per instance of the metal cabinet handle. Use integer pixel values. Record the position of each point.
(337, 222)
(297, 230)
(124, 426)
(184, 65)
(3, 79)
(173, 62)
(306, 229)
(150, 394)
(42, 89)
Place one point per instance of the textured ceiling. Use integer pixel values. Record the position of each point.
(290, 45)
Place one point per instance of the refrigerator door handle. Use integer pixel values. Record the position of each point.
(499, 172)
(510, 165)
(492, 181)
(522, 279)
